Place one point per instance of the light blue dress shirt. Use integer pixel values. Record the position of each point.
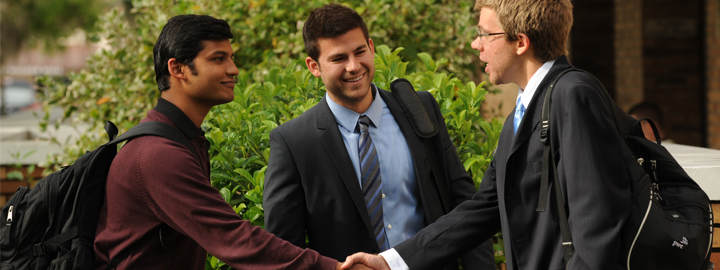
(402, 211)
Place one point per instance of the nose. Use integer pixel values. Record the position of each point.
(477, 44)
(353, 65)
(232, 69)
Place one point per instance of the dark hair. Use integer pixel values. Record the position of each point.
(329, 21)
(181, 38)
(648, 110)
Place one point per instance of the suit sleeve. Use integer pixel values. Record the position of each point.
(456, 233)
(461, 189)
(592, 173)
(283, 198)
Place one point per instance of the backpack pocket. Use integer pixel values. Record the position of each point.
(674, 234)
(11, 220)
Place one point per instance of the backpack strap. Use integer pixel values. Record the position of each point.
(421, 119)
(414, 108)
(545, 139)
(151, 128)
(154, 128)
(550, 166)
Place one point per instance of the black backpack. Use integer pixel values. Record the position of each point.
(52, 226)
(670, 224)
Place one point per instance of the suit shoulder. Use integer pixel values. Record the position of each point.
(300, 122)
(577, 84)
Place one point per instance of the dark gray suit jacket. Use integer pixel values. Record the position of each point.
(591, 167)
(311, 185)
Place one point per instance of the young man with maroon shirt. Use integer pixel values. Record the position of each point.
(160, 207)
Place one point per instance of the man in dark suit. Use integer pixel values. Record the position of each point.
(351, 171)
(523, 42)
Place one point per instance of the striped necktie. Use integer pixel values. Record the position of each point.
(371, 183)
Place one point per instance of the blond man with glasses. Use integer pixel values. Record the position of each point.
(523, 42)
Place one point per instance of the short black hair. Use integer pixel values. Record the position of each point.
(329, 21)
(181, 38)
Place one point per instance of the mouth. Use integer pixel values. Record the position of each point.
(355, 79)
(229, 84)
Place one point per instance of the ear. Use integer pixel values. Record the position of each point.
(372, 46)
(523, 44)
(175, 69)
(313, 66)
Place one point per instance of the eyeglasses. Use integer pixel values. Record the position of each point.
(481, 34)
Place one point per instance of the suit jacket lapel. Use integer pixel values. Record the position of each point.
(531, 120)
(335, 147)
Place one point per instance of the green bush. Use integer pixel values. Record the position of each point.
(274, 85)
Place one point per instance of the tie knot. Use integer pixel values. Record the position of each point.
(364, 123)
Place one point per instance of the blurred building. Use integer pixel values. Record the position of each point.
(29, 63)
(660, 51)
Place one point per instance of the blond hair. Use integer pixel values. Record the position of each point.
(546, 22)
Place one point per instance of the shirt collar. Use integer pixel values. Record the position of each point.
(178, 117)
(534, 82)
(348, 118)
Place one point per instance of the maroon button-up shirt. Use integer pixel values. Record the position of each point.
(161, 205)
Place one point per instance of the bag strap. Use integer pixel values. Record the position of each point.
(545, 139)
(550, 167)
(153, 128)
(420, 118)
(150, 128)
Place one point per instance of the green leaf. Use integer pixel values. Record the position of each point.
(245, 174)
(226, 194)
(428, 61)
(216, 135)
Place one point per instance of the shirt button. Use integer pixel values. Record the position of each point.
(383, 195)
(389, 226)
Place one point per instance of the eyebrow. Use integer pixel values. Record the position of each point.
(342, 54)
(221, 53)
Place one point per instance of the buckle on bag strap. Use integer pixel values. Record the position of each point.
(38, 250)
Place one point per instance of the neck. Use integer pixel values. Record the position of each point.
(358, 106)
(196, 112)
(527, 70)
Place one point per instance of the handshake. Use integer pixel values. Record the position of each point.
(362, 260)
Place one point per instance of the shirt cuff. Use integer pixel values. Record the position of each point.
(392, 257)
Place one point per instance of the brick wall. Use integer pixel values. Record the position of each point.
(628, 53)
(712, 32)
(674, 66)
(591, 40)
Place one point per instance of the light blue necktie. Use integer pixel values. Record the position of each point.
(519, 112)
(371, 182)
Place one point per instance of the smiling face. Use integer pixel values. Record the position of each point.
(499, 53)
(211, 77)
(347, 69)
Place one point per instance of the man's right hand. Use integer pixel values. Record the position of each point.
(376, 262)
